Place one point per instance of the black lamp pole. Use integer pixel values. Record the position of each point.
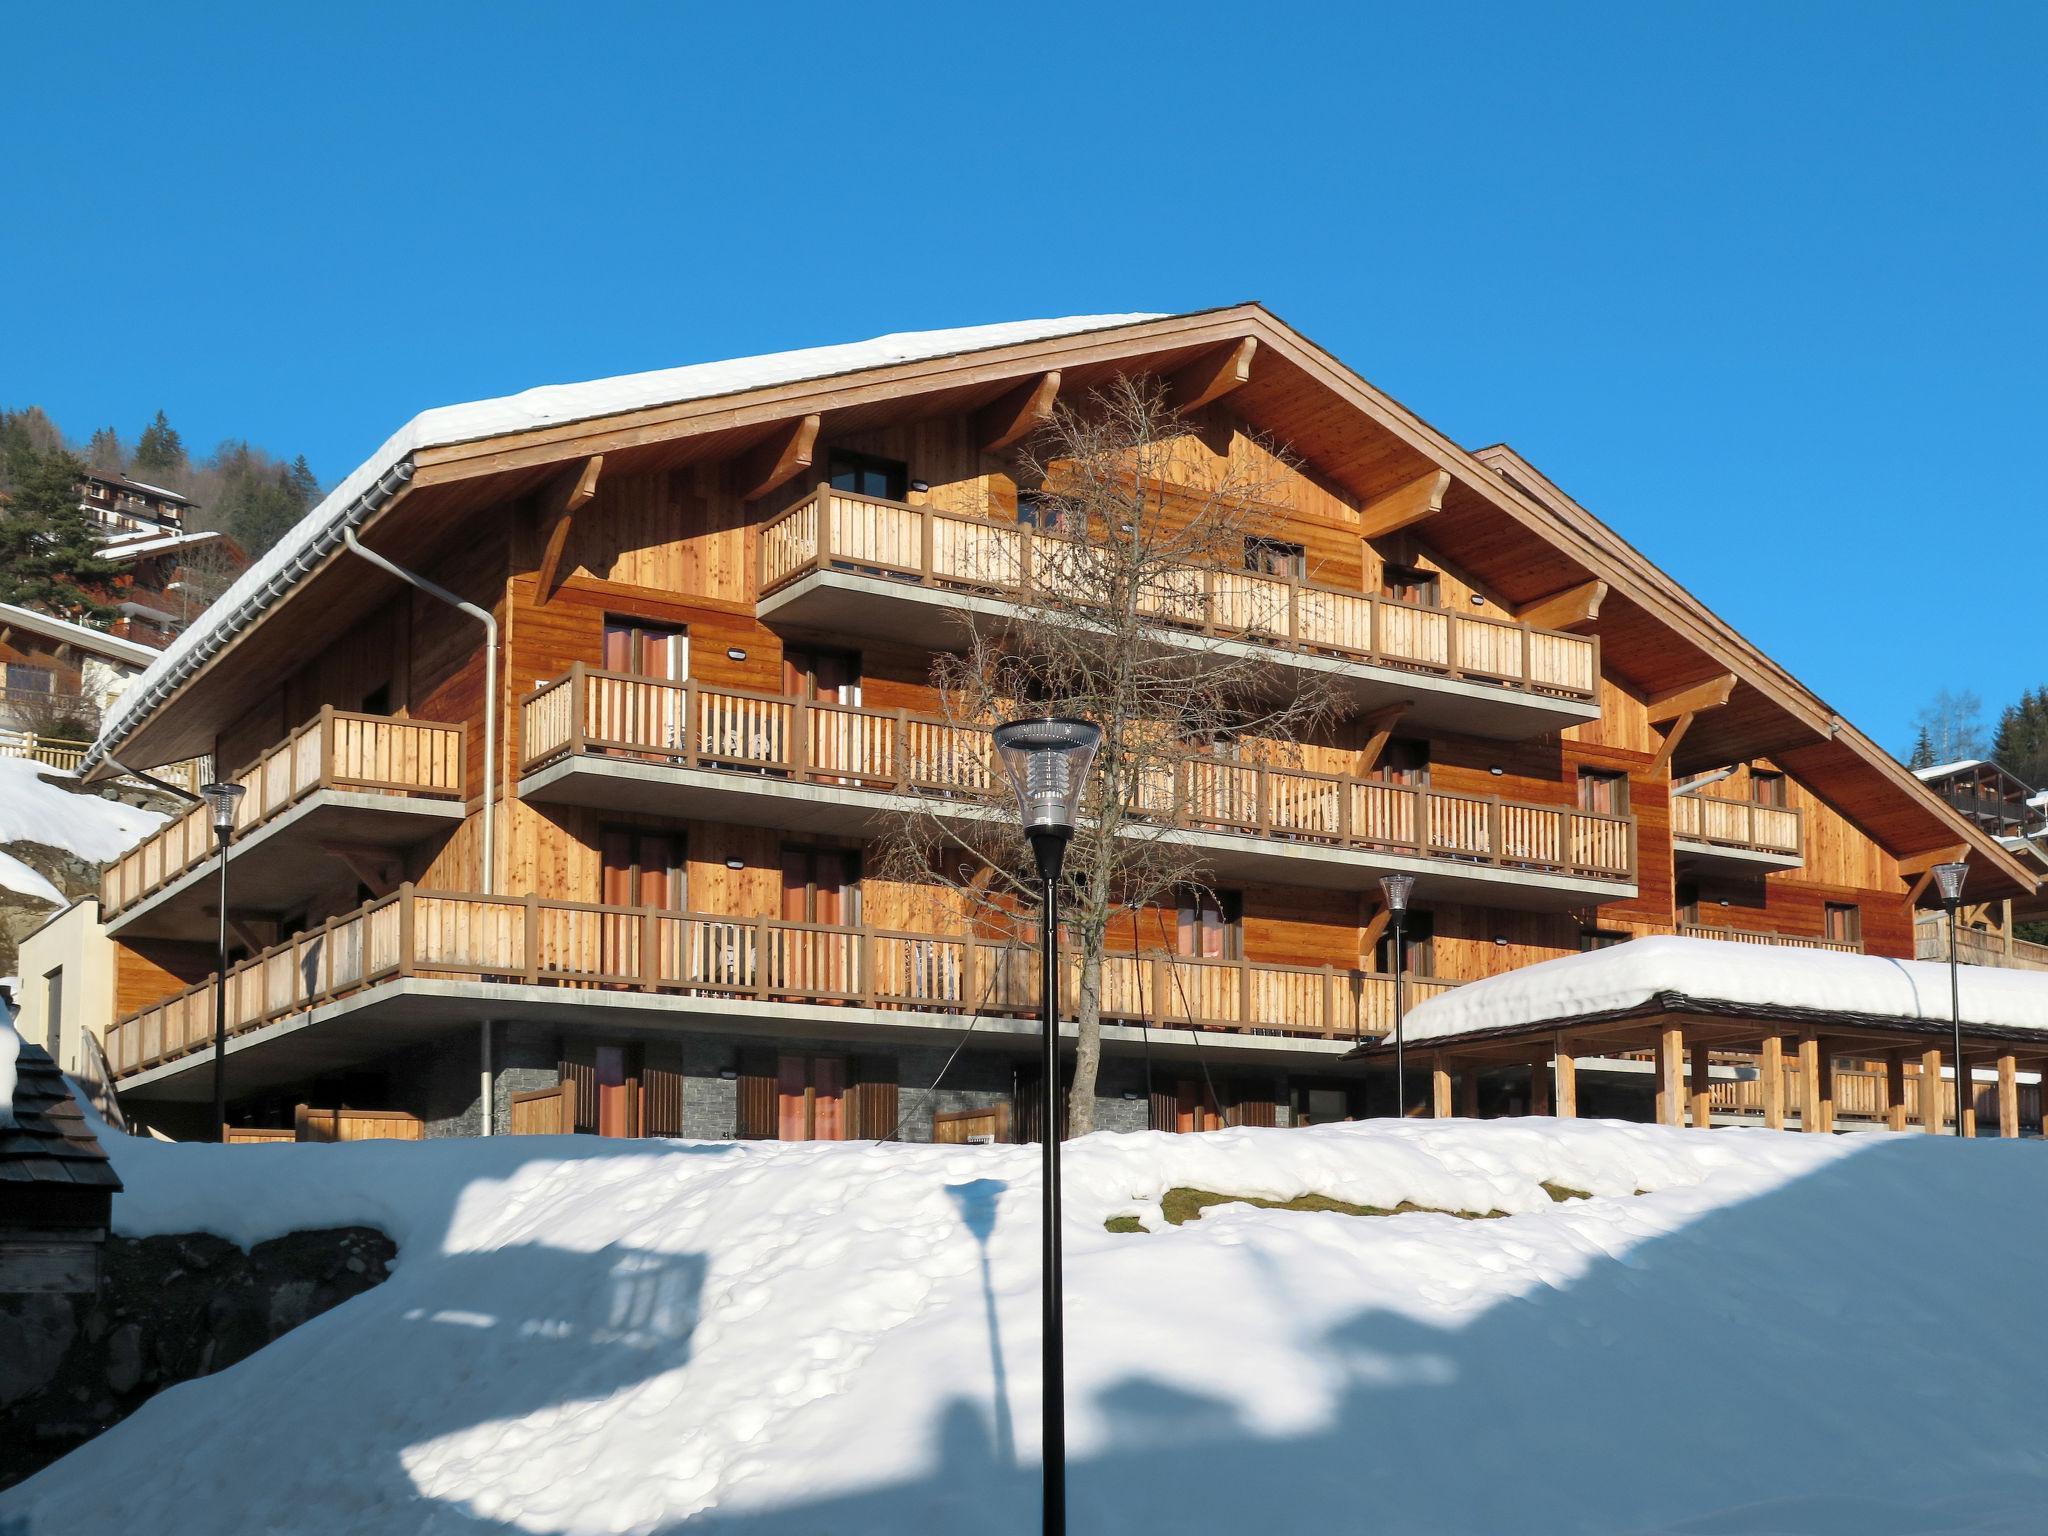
(220, 802)
(1047, 760)
(1395, 888)
(1949, 879)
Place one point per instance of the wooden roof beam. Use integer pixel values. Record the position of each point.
(1016, 414)
(1419, 498)
(1213, 375)
(559, 504)
(1711, 694)
(1569, 609)
(786, 453)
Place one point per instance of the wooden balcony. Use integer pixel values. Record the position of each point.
(622, 742)
(573, 948)
(1975, 946)
(1774, 940)
(359, 779)
(1737, 832)
(1865, 1096)
(840, 563)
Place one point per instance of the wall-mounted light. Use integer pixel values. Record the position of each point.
(1500, 941)
(734, 653)
(735, 863)
(1477, 601)
(728, 1074)
(1496, 770)
(920, 486)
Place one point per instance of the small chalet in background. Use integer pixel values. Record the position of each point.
(120, 505)
(59, 676)
(2015, 813)
(56, 1186)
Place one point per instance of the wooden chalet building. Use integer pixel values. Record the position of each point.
(118, 504)
(587, 852)
(167, 579)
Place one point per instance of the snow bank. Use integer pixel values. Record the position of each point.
(1751, 975)
(554, 404)
(593, 1337)
(33, 810)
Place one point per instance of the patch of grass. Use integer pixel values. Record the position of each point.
(1124, 1224)
(1563, 1192)
(1184, 1205)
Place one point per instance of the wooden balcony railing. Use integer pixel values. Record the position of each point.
(1736, 823)
(1975, 946)
(1860, 1095)
(645, 949)
(1775, 940)
(336, 749)
(838, 530)
(691, 725)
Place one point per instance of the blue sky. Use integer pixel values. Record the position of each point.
(1761, 285)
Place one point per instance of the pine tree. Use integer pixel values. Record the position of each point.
(1923, 751)
(25, 436)
(304, 484)
(105, 450)
(49, 558)
(2021, 746)
(160, 451)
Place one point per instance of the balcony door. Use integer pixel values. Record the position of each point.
(837, 744)
(867, 475)
(639, 867)
(821, 887)
(810, 1098)
(632, 713)
(1210, 925)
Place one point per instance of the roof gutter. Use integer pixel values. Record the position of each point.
(364, 507)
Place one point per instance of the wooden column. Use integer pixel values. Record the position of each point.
(1811, 1116)
(1468, 1091)
(1930, 1090)
(1670, 1075)
(1966, 1095)
(1824, 1086)
(1439, 1089)
(1770, 1065)
(1895, 1090)
(2008, 1096)
(1702, 1089)
(1567, 1080)
(2041, 1100)
(1539, 1084)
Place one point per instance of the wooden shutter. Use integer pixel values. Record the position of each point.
(661, 1077)
(1165, 1110)
(1253, 1106)
(875, 1098)
(579, 1069)
(756, 1119)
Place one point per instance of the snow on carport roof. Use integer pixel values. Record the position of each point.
(1752, 978)
(273, 574)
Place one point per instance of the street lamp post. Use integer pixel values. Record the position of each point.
(1949, 878)
(220, 802)
(1047, 760)
(1395, 889)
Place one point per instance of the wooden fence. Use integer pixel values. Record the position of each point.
(1775, 940)
(1861, 1095)
(1975, 946)
(51, 751)
(337, 749)
(692, 725)
(838, 530)
(1736, 823)
(581, 945)
(544, 1111)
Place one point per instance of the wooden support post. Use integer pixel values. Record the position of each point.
(1702, 1089)
(1930, 1091)
(1670, 1075)
(1567, 1068)
(1439, 1089)
(1895, 1090)
(1539, 1084)
(1966, 1094)
(1771, 1068)
(2008, 1096)
(1810, 1115)
(1824, 1086)
(1468, 1091)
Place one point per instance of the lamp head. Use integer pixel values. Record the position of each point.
(1396, 888)
(1949, 879)
(1047, 759)
(221, 800)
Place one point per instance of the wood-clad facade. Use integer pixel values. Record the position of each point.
(697, 730)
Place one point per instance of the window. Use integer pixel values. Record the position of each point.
(1272, 557)
(643, 868)
(1604, 794)
(1210, 925)
(1406, 584)
(1418, 947)
(1403, 761)
(26, 679)
(1767, 788)
(642, 649)
(1591, 939)
(53, 1015)
(866, 475)
(810, 1098)
(1037, 510)
(1688, 901)
(821, 885)
(1844, 922)
(1322, 1106)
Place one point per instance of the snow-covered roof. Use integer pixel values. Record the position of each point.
(1943, 770)
(64, 630)
(550, 405)
(1749, 977)
(136, 545)
(115, 477)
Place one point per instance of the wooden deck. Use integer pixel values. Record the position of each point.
(1739, 825)
(581, 946)
(838, 530)
(337, 749)
(694, 726)
(1975, 946)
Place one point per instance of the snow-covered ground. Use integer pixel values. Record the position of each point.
(1782, 1334)
(34, 810)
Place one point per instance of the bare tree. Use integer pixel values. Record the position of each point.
(1137, 607)
(204, 573)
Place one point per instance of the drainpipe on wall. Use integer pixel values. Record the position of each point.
(490, 813)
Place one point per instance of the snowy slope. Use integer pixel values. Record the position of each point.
(1786, 1334)
(32, 810)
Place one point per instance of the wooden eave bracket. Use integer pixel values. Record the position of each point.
(1569, 609)
(1690, 700)
(559, 505)
(1213, 375)
(786, 453)
(1379, 727)
(1017, 413)
(1419, 498)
